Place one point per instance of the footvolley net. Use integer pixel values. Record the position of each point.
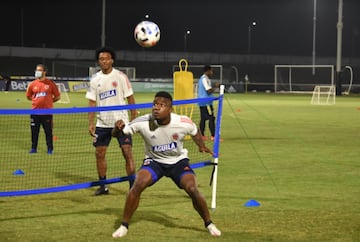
(72, 165)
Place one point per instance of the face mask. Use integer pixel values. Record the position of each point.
(38, 74)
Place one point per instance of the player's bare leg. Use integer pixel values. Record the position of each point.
(130, 163)
(188, 182)
(142, 180)
(101, 166)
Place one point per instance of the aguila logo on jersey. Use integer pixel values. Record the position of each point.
(107, 94)
(40, 94)
(114, 84)
(165, 147)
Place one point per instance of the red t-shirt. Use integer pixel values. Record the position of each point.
(42, 93)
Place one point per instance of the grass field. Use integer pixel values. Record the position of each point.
(299, 161)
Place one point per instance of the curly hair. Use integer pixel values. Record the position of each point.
(107, 50)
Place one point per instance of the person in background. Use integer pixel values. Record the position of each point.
(42, 93)
(205, 90)
(163, 133)
(7, 80)
(109, 87)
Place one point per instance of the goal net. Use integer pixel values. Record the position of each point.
(323, 95)
(63, 92)
(302, 78)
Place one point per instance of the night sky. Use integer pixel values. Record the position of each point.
(284, 27)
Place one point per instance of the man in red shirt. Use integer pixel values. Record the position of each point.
(42, 93)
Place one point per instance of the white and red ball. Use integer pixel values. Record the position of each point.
(147, 34)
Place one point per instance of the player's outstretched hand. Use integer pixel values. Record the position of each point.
(117, 130)
(92, 130)
(205, 149)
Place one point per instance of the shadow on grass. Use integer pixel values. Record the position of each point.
(151, 216)
(160, 218)
(75, 179)
(84, 212)
(72, 178)
(253, 138)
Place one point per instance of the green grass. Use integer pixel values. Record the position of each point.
(300, 161)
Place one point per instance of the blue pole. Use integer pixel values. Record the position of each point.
(216, 146)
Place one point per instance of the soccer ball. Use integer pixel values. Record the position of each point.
(147, 34)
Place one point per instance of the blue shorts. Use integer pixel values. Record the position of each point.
(175, 171)
(103, 137)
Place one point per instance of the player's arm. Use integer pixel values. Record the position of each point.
(131, 100)
(91, 116)
(29, 93)
(55, 93)
(55, 99)
(121, 128)
(118, 129)
(207, 87)
(200, 143)
(210, 90)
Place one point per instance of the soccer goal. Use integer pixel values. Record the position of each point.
(302, 78)
(64, 93)
(323, 95)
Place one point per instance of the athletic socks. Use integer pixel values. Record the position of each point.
(102, 178)
(125, 224)
(208, 223)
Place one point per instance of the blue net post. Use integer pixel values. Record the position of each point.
(216, 147)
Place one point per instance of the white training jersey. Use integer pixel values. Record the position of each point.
(163, 143)
(110, 90)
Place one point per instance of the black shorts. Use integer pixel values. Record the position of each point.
(206, 112)
(175, 171)
(103, 137)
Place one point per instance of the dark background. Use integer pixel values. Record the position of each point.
(284, 27)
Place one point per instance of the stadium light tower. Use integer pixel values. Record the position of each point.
(103, 19)
(339, 26)
(186, 37)
(250, 27)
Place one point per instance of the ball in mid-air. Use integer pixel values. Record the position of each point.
(147, 34)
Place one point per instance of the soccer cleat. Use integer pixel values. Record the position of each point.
(213, 230)
(120, 232)
(33, 151)
(50, 151)
(102, 191)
